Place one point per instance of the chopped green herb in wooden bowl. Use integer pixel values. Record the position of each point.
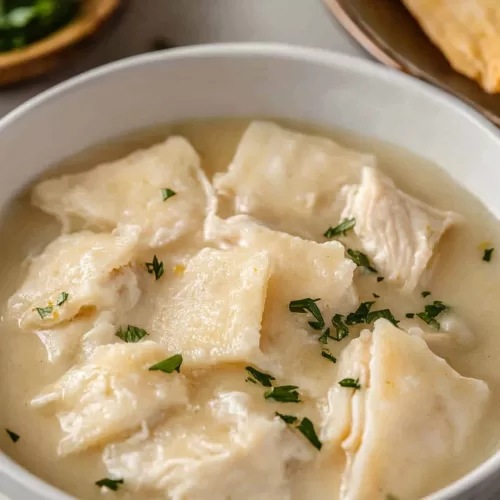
(36, 35)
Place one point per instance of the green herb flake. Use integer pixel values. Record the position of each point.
(425, 293)
(284, 394)
(341, 329)
(380, 278)
(431, 312)
(155, 267)
(168, 365)
(112, 484)
(44, 312)
(361, 314)
(63, 297)
(167, 193)
(391, 497)
(264, 378)
(383, 313)
(289, 419)
(251, 380)
(341, 229)
(328, 355)
(487, 254)
(376, 296)
(410, 315)
(361, 260)
(131, 333)
(325, 336)
(306, 427)
(15, 437)
(308, 305)
(350, 382)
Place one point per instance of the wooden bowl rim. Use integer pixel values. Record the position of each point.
(93, 15)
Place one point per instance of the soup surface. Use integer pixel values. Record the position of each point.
(220, 322)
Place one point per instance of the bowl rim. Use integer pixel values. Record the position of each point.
(368, 69)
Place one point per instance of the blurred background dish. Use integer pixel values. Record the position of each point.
(387, 30)
(37, 35)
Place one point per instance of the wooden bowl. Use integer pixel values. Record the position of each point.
(44, 55)
(390, 34)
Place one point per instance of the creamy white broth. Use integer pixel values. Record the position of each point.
(460, 278)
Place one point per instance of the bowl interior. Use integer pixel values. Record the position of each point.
(248, 80)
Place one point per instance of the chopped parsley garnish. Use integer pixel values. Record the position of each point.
(307, 429)
(487, 254)
(62, 298)
(305, 306)
(383, 313)
(167, 193)
(131, 333)
(380, 278)
(169, 365)
(264, 378)
(289, 419)
(155, 267)
(410, 315)
(328, 355)
(44, 312)
(361, 260)
(350, 382)
(431, 312)
(325, 336)
(15, 437)
(112, 484)
(341, 329)
(361, 314)
(425, 294)
(250, 379)
(341, 229)
(284, 394)
(376, 296)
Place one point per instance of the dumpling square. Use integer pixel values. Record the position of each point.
(213, 313)
(299, 269)
(290, 181)
(412, 419)
(78, 271)
(112, 394)
(227, 450)
(161, 189)
(398, 232)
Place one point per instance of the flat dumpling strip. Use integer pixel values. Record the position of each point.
(78, 338)
(290, 180)
(299, 269)
(75, 272)
(162, 189)
(225, 450)
(398, 232)
(112, 394)
(412, 418)
(211, 312)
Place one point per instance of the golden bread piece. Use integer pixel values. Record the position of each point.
(467, 32)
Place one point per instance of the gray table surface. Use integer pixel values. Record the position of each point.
(189, 22)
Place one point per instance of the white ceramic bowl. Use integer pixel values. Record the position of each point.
(249, 80)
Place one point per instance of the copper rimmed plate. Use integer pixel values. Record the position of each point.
(388, 31)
